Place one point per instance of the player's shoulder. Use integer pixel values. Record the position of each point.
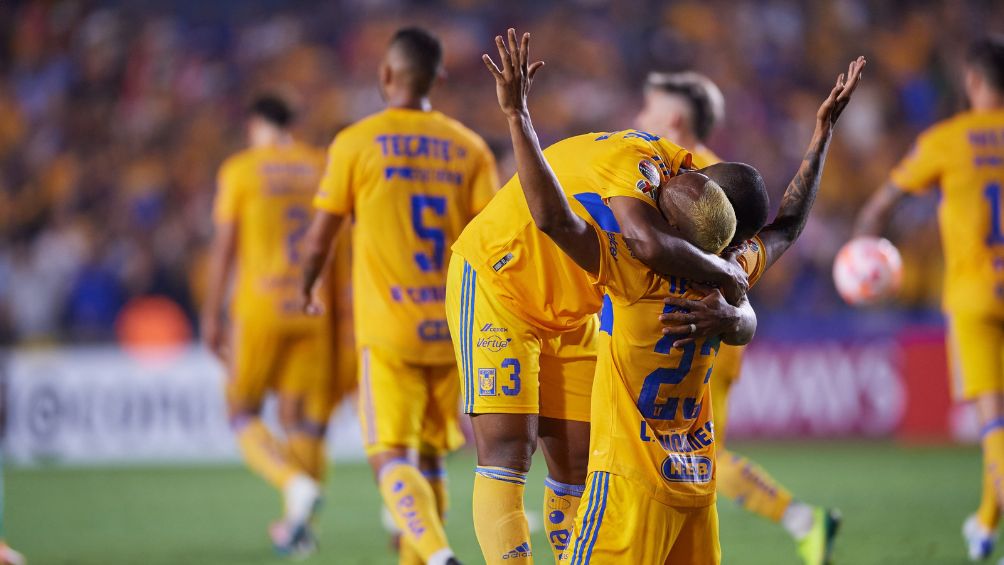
(239, 162)
(949, 128)
(361, 129)
(465, 134)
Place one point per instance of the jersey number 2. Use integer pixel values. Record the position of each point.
(419, 202)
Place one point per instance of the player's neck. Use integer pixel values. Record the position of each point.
(276, 139)
(409, 102)
(987, 102)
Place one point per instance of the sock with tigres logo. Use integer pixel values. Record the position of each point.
(412, 503)
(748, 484)
(407, 554)
(989, 512)
(499, 520)
(561, 502)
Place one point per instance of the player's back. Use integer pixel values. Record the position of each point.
(651, 403)
(411, 181)
(964, 155)
(267, 192)
(522, 264)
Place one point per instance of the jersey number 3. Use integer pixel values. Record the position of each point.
(437, 204)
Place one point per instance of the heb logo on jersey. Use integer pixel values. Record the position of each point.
(687, 468)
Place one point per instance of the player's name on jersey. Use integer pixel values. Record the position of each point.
(418, 294)
(678, 442)
(418, 174)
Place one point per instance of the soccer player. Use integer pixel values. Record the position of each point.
(686, 107)
(410, 178)
(652, 450)
(523, 320)
(964, 156)
(268, 345)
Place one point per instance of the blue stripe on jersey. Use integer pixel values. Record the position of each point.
(599, 519)
(607, 316)
(600, 212)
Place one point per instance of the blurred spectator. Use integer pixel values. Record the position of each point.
(116, 115)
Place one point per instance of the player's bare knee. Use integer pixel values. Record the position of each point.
(239, 416)
(566, 448)
(990, 406)
(505, 440)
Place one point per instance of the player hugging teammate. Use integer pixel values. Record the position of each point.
(651, 464)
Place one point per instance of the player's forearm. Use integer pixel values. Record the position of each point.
(874, 217)
(798, 198)
(549, 207)
(317, 246)
(745, 325)
(221, 261)
(669, 255)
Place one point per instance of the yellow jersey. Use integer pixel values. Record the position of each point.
(964, 155)
(523, 267)
(411, 180)
(266, 192)
(651, 409)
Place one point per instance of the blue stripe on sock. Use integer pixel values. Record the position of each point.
(503, 471)
(599, 519)
(564, 489)
(488, 474)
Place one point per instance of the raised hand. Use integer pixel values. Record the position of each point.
(835, 103)
(512, 82)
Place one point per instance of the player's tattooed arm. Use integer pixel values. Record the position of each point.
(548, 205)
(317, 244)
(693, 320)
(222, 256)
(874, 217)
(801, 192)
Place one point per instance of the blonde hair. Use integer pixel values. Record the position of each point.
(707, 218)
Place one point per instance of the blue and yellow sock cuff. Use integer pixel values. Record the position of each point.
(501, 474)
(564, 489)
(991, 426)
(437, 475)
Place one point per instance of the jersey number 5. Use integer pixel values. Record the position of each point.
(419, 202)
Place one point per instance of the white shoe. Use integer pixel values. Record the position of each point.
(10, 557)
(302, 496)
(979, 540)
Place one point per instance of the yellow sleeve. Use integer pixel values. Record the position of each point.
(485, 183)
(922, 167)
(633, 170)
(335, 194)
(226, 207)
(753, 258)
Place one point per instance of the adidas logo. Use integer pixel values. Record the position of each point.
(522, 550)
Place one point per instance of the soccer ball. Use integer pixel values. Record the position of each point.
(867, 270)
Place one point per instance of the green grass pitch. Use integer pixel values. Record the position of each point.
(900, 505)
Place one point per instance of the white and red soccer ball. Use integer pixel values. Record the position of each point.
(867, 270)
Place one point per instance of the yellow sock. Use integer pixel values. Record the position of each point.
(412, 503)
(499, 520)
(993, 471)
(407, 554)
(264, 454)
(307, 450)
(561, 502)
(989, 512)
(748, 484)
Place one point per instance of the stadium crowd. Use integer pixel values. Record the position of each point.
(112, 126)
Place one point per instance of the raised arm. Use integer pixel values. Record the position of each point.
(801, 192)
(548, 204)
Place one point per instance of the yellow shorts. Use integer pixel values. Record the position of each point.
(622, 523)
(407, 405)
(509, 366)
(726, 373)
(976, 355)
(266, 358)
